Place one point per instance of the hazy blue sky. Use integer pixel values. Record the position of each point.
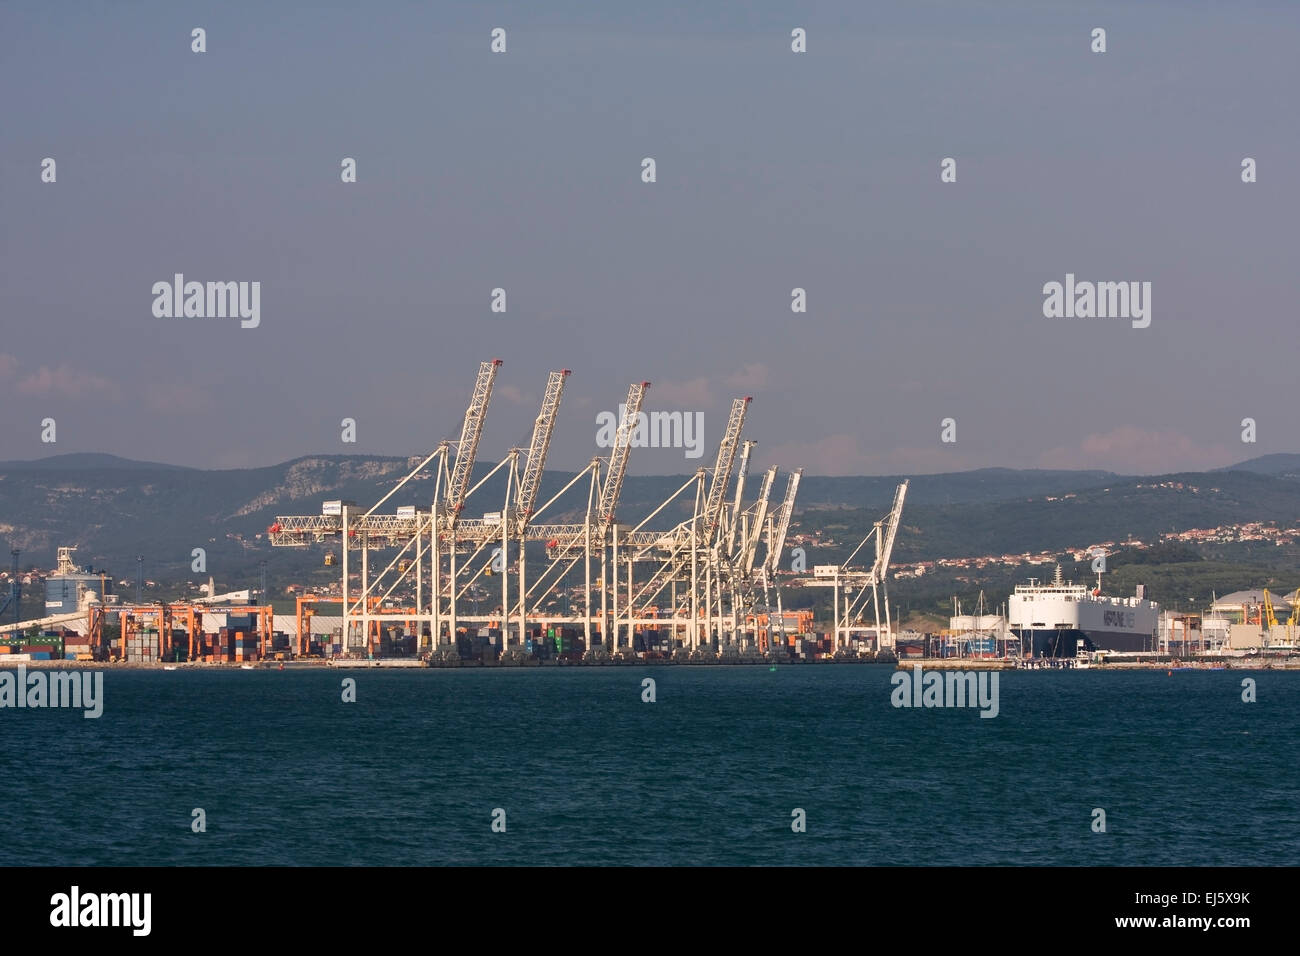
(775, 170)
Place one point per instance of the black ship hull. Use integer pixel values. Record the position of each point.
(1066, 642)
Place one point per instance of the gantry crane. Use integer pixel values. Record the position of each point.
(695, 542)
(775, 545)
(528, 485)
(867, 582)
(714, 553)
(715, 577)
(880, 570)
(740, 565)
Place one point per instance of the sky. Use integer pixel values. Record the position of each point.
(774, 170)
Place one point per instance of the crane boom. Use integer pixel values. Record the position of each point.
(722, 469)
(543, 428)
(777, 544)
(613, 486)
(885, 545)
(467, 448)
(740, 493)
(749, 547)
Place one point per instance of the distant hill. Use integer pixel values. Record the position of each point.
(114, 509)
(955, 488)
(86, 460)
(1285, 466)
(1142, 507)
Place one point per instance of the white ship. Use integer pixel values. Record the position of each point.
(1060, 619)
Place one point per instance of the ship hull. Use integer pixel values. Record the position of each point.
(1066, 642)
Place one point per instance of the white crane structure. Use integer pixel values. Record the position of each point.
(702, 577)
(857, 585)
(776, 534)
(690, 552)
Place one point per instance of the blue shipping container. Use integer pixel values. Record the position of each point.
(40, 655)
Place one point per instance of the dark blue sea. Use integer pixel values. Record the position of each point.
(587, 773)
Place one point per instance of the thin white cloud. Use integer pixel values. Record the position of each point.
(64, 382)
(693, 394)
(175, 397)
(1130, 449)
(511, 394)
(841, 454)
(751, 377)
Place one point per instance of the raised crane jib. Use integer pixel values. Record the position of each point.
(722, 469)
(749, 547)
(891, 531)
(467, 447)
(777, 544)
(613, 486)
(538, 448)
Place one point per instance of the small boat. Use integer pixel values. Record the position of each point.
(245, 667)
(169, 667)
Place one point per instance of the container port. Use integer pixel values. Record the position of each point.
(596, 588)
(421, 579)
